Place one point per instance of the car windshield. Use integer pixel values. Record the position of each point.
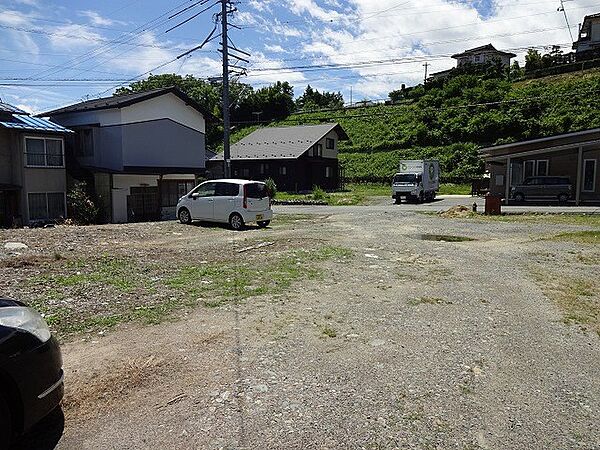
(256, 190)
(406, 178)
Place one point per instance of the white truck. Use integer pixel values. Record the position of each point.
(416, 180)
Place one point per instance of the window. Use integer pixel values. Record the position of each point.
(227, 190)
(245, 172)
(329, 144)
(328, 172)
(264, 168)
(46, 206)
(85, 142)
(318, 150)
(589, 175)
(206, 190)
(529, 169)
(42, 152)
(542, 167)
(283, 170)
(256, 190)
(172, 190)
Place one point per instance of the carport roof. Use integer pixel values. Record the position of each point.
(550, 143)
(27, 123)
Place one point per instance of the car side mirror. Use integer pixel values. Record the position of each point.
(195, 195)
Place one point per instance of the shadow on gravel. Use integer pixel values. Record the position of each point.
(443, 238)
(45, 435)
(224, 226)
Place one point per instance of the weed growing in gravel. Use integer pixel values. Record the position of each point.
(580, 237)
(328, 331)
(426, 301)
(577, 298)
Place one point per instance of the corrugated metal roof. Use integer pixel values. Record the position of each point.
(281, 142)
(25, 122)
(5, 107)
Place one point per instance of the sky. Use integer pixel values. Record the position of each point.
(55, 53)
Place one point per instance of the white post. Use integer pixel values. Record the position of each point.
(579, 175)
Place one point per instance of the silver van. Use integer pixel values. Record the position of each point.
(542, 188)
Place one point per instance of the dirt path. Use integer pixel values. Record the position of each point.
(407, 344)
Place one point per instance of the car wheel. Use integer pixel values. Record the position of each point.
(421, 198)
(563, 198)
(5, 425)
(236, 222)
(263, 223)
(184, 216)
(398, 200)
(519, 197)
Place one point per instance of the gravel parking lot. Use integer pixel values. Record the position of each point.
(358, 329)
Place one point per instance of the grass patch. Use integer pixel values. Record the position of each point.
(454, 189)
(580, 237)
(578, 298)
(426, 301)
(234, 282)
(328, 331)
(592, 220)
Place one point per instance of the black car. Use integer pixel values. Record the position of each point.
(31, 376)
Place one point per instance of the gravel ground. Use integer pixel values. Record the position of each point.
(408, 343)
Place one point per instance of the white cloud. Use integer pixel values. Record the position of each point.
(275, 48)
(416, 29)
(97, 19)
(72, 37)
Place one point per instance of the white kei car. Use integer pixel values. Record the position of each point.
(236, 202)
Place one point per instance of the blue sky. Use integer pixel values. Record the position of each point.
(367, 46)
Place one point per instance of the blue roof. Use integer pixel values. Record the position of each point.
(25, 122)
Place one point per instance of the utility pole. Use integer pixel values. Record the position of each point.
(426, 65)
(226, 120)
(564, 11)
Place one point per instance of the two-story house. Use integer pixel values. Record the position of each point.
(296, 158)
(33, 182)
(589, 34)
(486, 54)
(139, 151)
(483, 55)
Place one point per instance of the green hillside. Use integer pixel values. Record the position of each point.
(450, 122)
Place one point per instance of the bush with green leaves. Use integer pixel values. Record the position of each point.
(271, 187)
(318, 193)
(83, 209)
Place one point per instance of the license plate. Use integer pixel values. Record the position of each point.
(259, 217)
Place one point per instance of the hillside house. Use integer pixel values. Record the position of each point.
(589, 34)
(297, 158)
(140, 151)
(485, 54)
(574, 155)
(33, 181)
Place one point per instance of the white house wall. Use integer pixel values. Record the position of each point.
(121, 189)
(164, 107)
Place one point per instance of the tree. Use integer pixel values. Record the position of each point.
(533, 60)
(313, 99)
(516, 71)
(83, 208)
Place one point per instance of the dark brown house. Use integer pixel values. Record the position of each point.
(297, 158)
(574, 155)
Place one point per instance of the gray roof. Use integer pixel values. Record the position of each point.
(121, 101)
(5, 107)
(281, 142)
(488, 48)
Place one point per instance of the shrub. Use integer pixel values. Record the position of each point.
(271, 187)
(318, 193)
(83, 208)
